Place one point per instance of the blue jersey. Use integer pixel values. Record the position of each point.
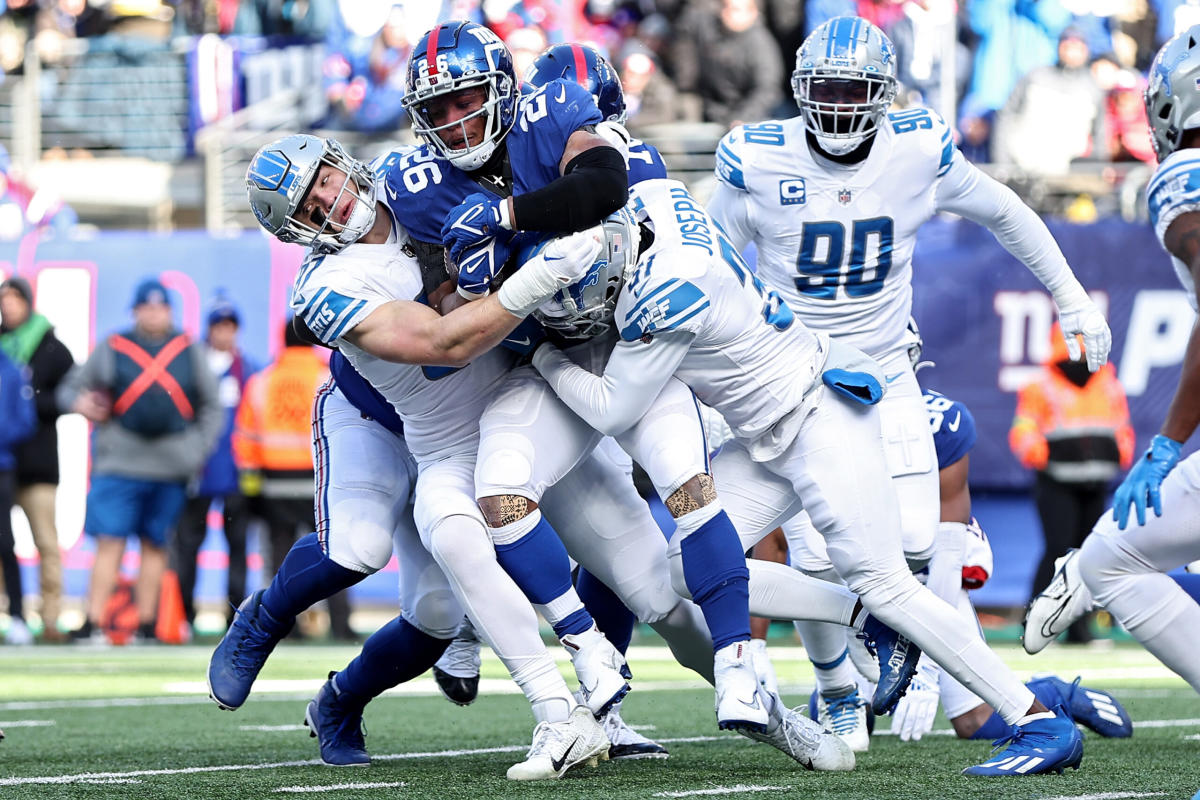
(953, 428)
(363, 395)
(645, 163)
(422, 187)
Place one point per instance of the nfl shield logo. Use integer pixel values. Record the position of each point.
(844, 197)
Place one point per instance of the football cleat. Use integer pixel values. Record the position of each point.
(1061, 603)
(337, 726)
(763, 666)
(814, 711)
(457, 671)
(897, 657)
(1035, 748)
(802, 740)
(845, 716)
(1096, 710)
(626, 743)
(740, 703)
(601, 670)
(559, 746)
(242, 651)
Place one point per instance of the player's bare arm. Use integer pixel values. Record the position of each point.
(1182, 239)
(956, 496)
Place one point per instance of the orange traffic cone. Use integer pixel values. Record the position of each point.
(171, 626)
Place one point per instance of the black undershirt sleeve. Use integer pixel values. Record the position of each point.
(595, 184)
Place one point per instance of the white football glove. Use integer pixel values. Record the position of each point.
(1084, 318)
(913, 717)
(560, 263)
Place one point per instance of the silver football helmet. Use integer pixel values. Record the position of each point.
(585, 308)
(844, 82)
(280, 177)
(916, 348)
(1173, 94)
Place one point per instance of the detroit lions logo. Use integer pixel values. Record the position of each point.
(575, 290)
(272, 171)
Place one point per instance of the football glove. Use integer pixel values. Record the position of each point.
(560, 263)
(1141, 486)
(1084, 318)
(479, 264)
(476, 219)
(914, 714)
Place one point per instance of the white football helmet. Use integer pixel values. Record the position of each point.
(585, 308)
(278, 181)
(844, 82)
(1173, 94)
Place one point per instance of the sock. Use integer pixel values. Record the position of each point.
(834, 677)
(1189, 583)
(714, 568)
(538, 563)
(306, 576)
(395, 653)
(993, 728)
(607, 610)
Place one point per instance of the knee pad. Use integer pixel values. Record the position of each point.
(436, 613)
(361, 545)
(459, 540)
(675, 561)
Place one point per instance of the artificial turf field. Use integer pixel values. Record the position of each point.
(137, 723)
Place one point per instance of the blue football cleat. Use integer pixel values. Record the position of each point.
(242, 651)
(337, 726)
(897, 663)
(1099, 711)
(1045, 745)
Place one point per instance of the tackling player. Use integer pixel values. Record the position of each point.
(799, 405)
(1122, 566)
(833, 199)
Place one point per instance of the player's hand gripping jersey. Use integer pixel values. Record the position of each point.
(440, 407)
(837, 241)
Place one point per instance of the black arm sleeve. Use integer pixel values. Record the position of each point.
(595, 185)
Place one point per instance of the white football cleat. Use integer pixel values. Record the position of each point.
(559, 746)
(763, 666)
(845, 717)
(1061, 603)
(803, 740)
(601, 670)
(457, 671)
(740, 703)
(626, 744)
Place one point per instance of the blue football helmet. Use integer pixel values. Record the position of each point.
(844, 82)
(278, 181)
(1173, 95)
(585, 308)
(583, 65)
(451, 58)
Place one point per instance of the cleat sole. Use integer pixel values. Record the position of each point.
(612, 701)
(741, 725)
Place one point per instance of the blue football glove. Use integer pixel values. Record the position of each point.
(1141, 485)
(472, 221)
(479, 264)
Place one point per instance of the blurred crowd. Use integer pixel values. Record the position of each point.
(1014, 68)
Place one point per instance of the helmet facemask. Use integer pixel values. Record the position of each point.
(325, 233)
(425, 106)
(842, 108)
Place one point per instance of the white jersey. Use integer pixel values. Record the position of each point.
(751, 359)
(1173, 190)
(440, 406)
(836, 241)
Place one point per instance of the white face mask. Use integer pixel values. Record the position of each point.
(361, 220)
(838, 147)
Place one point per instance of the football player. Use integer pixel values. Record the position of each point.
(544, 168)
(833, 200)
(800, 405)
(309, 191)
(1123, 562)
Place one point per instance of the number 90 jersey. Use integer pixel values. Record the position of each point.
(836, 242)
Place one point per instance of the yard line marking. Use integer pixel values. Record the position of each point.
(338, 786)
(740, 788)
(1194, 737)
(1165, 723)
(1105, 796)
(27, 723)
(111, 780)
(272, 728)
(141, 773)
